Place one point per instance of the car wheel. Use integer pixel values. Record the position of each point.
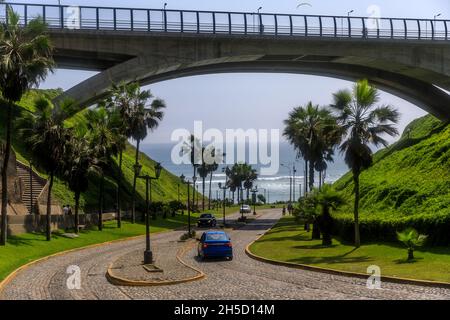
(230, 258)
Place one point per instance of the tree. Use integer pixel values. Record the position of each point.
(101, 135)
(261, 198)
(411, 239)
(327, 199)
(241, 176)
(313, 132)
(26, 59)
(43, 131)
(363, 122)
(139, 115)
(79, 161)
(119, 103)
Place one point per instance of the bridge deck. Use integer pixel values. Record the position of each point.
(235, 23)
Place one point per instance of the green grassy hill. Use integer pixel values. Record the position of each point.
(164, 189)
(411, 176)
(409, 180)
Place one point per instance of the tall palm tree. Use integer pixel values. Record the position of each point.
(103, 141)
(138, 116)
(241, 176)
(363, 122)
(25, 60)
(43, 131)
(203, 172)
(118, 103)
(79, 161)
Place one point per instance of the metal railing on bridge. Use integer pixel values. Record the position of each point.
(231, 23)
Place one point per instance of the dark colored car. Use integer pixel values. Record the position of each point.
(206, 220)
(215, 244)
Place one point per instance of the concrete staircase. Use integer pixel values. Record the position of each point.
(37, 183)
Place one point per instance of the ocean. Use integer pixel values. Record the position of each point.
(275, 187)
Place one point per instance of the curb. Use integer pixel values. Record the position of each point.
(292, 265)
(119, 281)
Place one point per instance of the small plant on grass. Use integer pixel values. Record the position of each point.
(411, 239)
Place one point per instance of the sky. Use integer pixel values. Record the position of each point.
(260, 101)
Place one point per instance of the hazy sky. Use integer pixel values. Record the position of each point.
(260, 101)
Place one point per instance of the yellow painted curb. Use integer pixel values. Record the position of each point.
(136, 283)
(341, 272)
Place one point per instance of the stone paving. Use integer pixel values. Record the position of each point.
(242, 278)
(130, 265)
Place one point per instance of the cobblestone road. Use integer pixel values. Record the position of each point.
(242, 278)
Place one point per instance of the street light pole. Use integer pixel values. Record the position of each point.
(254, 191)
(148, 255)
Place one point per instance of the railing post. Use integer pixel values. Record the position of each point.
(392, 28)
(276, 24)
(61, 16)
(320, 25)
(349, 27)
(406, 28)
(261, 26)
(291, 25)
(115, 18)
(26, 15)
(198, 22)
(364, 30)
(446, 29)
(43, 14)
(306, 26)
(97, 18)
(182, 21)
(245, 24)
(335, 27)
(229, 23)
(165, 20)
(432, 29)
(149, 25)
(419, 29)
(378, 28)
(214, 22)
(132, 19)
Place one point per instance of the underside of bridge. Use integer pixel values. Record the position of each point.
(412, 70)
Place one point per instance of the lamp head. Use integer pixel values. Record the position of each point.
(220, 184)
(183, 178)
(158, 169)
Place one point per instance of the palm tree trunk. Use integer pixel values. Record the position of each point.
(4, 228)
(49, 207)
(311, 175)
(306, 177)
(209, 193)
(356, 210)
(133, 195)
(320, 179)
(119, 183)
(203, 193)
(100, 204)
(77, 205)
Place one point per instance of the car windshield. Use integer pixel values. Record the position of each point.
(216, 237)
(206, 216)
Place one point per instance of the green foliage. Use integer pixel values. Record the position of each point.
(411, 239)
(163, 189)
(408, 185)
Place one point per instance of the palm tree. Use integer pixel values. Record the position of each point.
(327, 198)
(118, 102)
(139, 116)
(43, 131)
(363, 122)
(26, 59)
(103, 141)
(203, 172)
(411, 239)
(311, 130)
(212, 167)
(241, 176)
(79, 161)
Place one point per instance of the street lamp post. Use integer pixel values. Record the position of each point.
(224, 188)
(148, 255)
(290, 181)
(188, 183)
(254, 191)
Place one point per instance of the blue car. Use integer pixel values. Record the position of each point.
(215, 244)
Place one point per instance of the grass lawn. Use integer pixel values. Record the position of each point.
(27, 247)
(287, 241)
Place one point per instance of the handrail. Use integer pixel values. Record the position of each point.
(231, 23)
